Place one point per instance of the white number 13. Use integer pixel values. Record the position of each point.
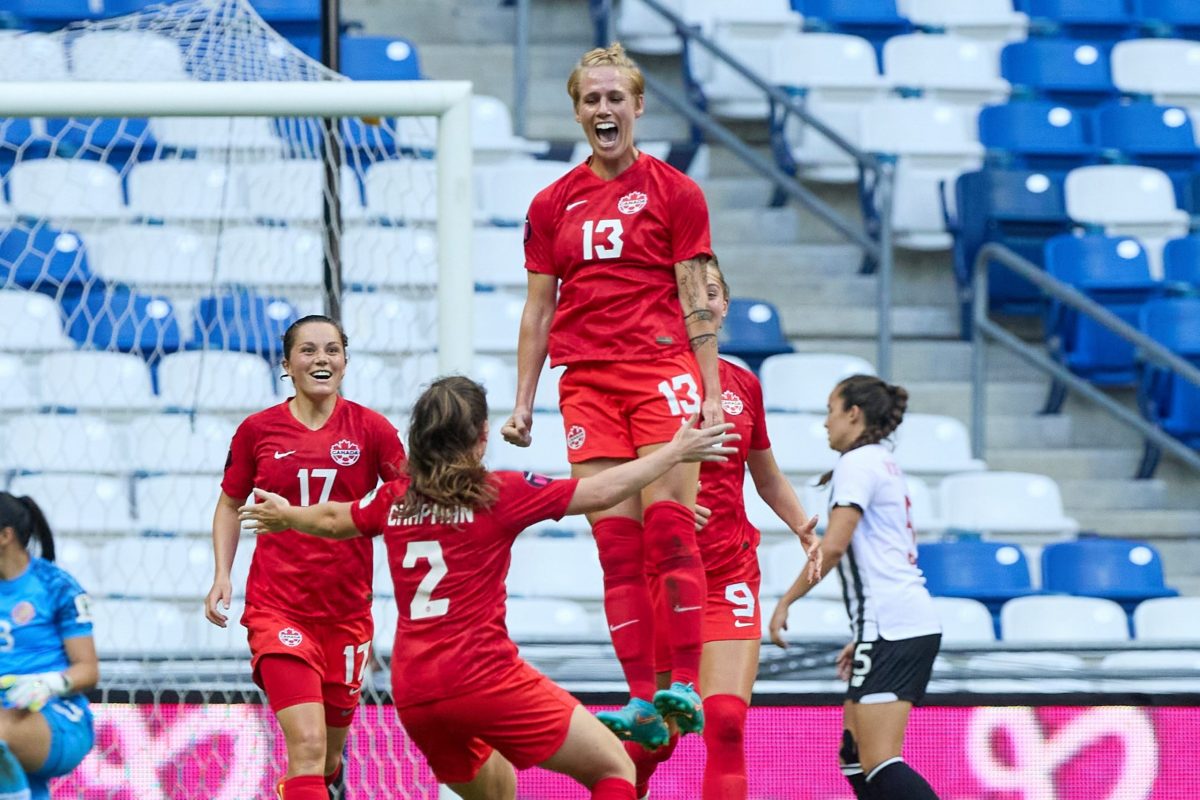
(613, 229)
(683, 404)
(422, 607)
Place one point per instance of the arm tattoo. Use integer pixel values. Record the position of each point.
(701, 314)
(690, 276)
(700, 341)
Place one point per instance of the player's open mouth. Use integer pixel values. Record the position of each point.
(606, 132)
(322, 374)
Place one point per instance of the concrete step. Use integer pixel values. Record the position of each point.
(916, 360)
(1066, 464)
(757, 225)
(1098, 494)
(1020, 430)
(908, 322)
(954, 398)
(1141, 523)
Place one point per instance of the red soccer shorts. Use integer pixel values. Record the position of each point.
(611, 408)
(338, 651)
(525, 717)
(731, 610)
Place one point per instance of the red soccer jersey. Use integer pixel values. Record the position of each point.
(728, 533)
(613, 245)
(296, 574)
(448, 567)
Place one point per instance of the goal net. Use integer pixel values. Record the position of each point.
(181, 184)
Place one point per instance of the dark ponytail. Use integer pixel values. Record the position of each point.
(24, 516)
(882, 404)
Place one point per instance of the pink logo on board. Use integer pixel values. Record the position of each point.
(345, 452)
(632, 203)
(291, 637)
(731, 403)
(576, 436)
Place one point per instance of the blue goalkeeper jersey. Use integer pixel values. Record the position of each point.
(38, 610)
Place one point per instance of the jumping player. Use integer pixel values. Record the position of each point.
(870, 538)
(47, 657)
(469, 702)
(308, 602)
(615, 252)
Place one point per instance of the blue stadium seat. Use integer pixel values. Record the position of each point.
(242, 321)
(42, 258)
(1115, 569)
(1164, 398)
(990, 572)
(1181, 263)
(116, 142)
(17, 139)
(1151, 135)
(276, 11)
(1113, 271)
(379, 58)
(1095, 20)
(113, 317)
(753, 331)
(50, 14)
(1172, 19)
(1069, 72)
(1019, 209)
(1036, 134)
(874, 20)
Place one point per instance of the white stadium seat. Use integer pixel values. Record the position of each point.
(389, 257)
(403, 189)
(781, 563)
(79, 504)
(1166, 69)
(964, 621)
(1168, 619)
(66, 189)
(385, 384)
(541, 618)
(96, 381)
(153, 255)
(389, 323)
(19, 392)
(215, 380)
(492, 137)
(1061, 618)
(33, 323)
(556, 567)
(934, 444)
(504, 191)
(217, 135)
(64, 443)
(807, 444)
(201, 636)
(810, 620)
(945, 67)
(176, 504)
(294, 190)
(642, 30)
(134, 629)
(803, 381)
(181, 443)
(925, 516)
(762, 516)
(30, 56)
(985, 20)
(497, 321)
(547, 454)
(1005, 503)
(156, 568)
(270, 257)
(499, 378)
(198, 191)
(77, 559)
(498, 257)
(126, 56)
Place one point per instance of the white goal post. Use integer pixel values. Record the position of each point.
(449, 101)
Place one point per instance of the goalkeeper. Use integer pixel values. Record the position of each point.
(47, 657)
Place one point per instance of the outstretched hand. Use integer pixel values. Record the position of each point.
(812, 546)
(704, 444)
(266, 514)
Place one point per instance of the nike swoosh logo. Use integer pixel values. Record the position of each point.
(737, 623)
(680, 609)
(285, 454)
(576, 203)
(622, 625)
(352, 693)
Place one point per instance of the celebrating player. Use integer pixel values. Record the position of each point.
(896, 630)
(308, 602)
(615, 252)
(468, 701)
(47, 657)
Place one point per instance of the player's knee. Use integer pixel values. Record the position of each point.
(621, 549)
(725, 726)
(306, 747)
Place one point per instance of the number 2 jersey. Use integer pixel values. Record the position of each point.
(448, 567)
(613, 245)
(292, 573)
(38, 610)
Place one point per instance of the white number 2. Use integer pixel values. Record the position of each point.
(689, 402)
(613, 229)
(350, 651)
(422, 607)
(327, 474)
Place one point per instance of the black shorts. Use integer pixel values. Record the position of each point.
(886, 671)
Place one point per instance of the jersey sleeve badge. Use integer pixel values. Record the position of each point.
(537, 481)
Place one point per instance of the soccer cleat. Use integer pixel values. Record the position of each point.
(683, 705)
(638, 721)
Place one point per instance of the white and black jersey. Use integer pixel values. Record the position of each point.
(883, 589)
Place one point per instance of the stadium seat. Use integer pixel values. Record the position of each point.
(77, 504)
(964, 621)
(1007, 504)
(530, 619)
(270, 257)
(155, 568)
(1117, 569)
(91, 381)
(20, 392)
(499, 380)
(1114, 272)
(63, 443)
(547, 454)
(1175, 619)
(30, 56)
(803, 447)
(934, 444)
(374, 257)
(945, 67)
(504, 191)
(381, 385)
(990, 572)
(1174, 18)
(168, 257)
(379, 58)
(202, 637)
(1164, 398)
(56, 13)
(184, 191)
(498, 257)
(984, 20)
(764, 518)
(113, 317)
(243, 321)
(492, 137)
(217, 137)
(34, 323)
(1097, 20)
(404, 189)
(781, 563)
(1127, 200)
(1064, 71)
(137, 629)
(126, 56)
(803, 381)
(179, 443)
(1036, 134)
(1181, 262)
(389, 323)
(1060, 619)
(215, 381)
(816, 620)
(118, 142)
(293, 190)
(874, 20)
(20, 140)
(1167, 70)
(1151, 135)
(66, 189)
(642, 30)
(497, 321)
(77, 558)
(176, 504)
(556, 567)
(923, 512)
(753, 330)
(1141, 671)
(43, 258)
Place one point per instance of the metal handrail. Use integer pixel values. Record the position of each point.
(984, 329)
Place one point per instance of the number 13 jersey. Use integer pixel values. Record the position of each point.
(613, 245)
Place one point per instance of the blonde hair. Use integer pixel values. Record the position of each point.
(611, 56)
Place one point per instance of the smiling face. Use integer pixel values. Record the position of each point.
(316, 362)
(606, 110)
(843, 424)
(714, 290)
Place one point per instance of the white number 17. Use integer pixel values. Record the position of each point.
(328, 475)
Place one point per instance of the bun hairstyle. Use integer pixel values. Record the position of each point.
(24, 516)
(611, 56)
(882, 404)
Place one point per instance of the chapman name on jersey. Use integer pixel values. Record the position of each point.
(38, 610)
(432, 514)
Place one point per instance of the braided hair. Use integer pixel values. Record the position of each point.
(23, 515)
(882, 404)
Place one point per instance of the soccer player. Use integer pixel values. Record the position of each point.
(469, 702)
(896, 630)
(47, 657)
(729, 549)
(308, 602)
(615, 253)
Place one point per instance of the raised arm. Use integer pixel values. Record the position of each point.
(777, 491)
(271, 513)
(540, 302)
(690, 278)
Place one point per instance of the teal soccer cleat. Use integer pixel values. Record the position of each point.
(681, 703)
(638, 721)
